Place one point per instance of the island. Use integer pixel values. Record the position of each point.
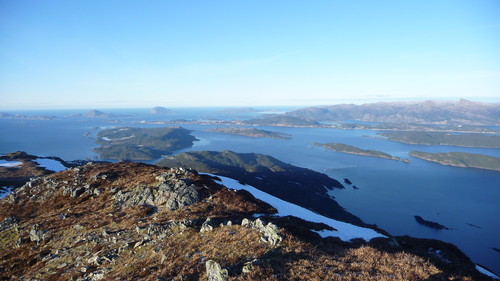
(130, 143)
(160, 110)
(250, 132)
(349, 149)
(430, 224)
(460, 159)
(301, 186)
(442, 138)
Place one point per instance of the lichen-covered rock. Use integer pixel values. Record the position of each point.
(171, 194)
(215, 272)
(207, 225)
(270, 232)
(36, 234)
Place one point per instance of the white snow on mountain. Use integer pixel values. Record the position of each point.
(344, 231)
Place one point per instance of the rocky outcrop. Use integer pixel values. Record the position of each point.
(270, 232)
(51, 230)
(171, 194)
(215, 271)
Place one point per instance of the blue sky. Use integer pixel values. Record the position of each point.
(103, 54)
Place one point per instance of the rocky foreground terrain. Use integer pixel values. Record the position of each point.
(131, 221)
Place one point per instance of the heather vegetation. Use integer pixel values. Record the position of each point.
(130, 221)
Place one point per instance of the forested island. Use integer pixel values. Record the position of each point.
(460, 159)
(127, 143)
(250, 132)
(349, 149)
(441, 138)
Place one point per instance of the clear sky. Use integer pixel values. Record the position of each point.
(103, 54)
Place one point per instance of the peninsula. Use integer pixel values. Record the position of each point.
(460, 159)
(442, 138)
(250, 132)
(349, 149)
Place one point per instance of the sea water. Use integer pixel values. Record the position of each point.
(390, 193)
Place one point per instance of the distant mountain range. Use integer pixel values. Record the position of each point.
(426, 112)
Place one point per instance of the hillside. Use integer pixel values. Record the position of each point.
(426, 112)
(130, 221)
(301, 186)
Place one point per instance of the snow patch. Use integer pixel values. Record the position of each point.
(5, 163)
(50, 164)
(345, 231)
(486, 272)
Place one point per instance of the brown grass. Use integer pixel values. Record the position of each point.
(180, 254)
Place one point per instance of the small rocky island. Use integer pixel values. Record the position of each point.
(430, 224)
(349, 149)
(460, 159)
(250, 132)
(127, 143)
(160, 110)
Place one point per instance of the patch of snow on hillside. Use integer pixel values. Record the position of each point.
(6, 163)
(50, 164)
(486, 272)
(345, 231)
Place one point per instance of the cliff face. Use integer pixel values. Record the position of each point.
(130, 221)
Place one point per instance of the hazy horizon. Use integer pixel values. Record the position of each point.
(147, 107)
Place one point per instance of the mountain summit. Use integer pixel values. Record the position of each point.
(131, 221)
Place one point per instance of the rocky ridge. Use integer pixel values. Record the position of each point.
(130, 221)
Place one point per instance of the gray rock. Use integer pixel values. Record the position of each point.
(36, 234)
(8, 222)
(172, 194)
(270, 232)
(77, 192)
(215, 272)
(207, 226)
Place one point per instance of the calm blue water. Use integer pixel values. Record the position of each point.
(390, 192)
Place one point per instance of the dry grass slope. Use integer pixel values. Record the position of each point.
(89, 236)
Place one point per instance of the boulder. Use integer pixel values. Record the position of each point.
(36, 234)
(215, 272)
